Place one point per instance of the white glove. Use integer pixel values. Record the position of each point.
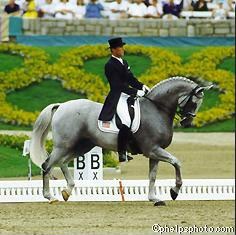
(140, 93)
(146, 89)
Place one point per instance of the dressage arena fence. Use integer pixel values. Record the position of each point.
(118, 190)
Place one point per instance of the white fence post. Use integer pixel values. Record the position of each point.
(26, 152)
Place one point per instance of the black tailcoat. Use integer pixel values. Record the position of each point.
(120, 79)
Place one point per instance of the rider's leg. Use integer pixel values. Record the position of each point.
(124, 134)
(123, 138)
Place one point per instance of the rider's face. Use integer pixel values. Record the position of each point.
(118, 52)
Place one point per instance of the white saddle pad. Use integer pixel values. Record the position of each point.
(110, 126)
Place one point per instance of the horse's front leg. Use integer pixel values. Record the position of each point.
(153, 164)
(160, 154)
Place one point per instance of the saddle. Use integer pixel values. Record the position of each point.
(115, 124)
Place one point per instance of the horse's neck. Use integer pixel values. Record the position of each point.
(168, 93)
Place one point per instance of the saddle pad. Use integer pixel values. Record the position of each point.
(110, 126)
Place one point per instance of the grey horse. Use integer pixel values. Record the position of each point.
(75, 131)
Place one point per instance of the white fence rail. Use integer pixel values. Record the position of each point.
(110, 190)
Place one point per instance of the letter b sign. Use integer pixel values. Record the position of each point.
(95, 164)
(89, 166)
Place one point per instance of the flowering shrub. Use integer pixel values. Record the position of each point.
(69, 69)
(35, 61)
(17, 142)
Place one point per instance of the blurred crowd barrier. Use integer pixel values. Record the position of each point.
(118, 17)
(16, 26)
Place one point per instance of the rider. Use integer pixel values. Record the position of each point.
(122, 83)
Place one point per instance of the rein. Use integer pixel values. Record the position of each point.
(158, 105)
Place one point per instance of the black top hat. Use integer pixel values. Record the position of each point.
(116, 42)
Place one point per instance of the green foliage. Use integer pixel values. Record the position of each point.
(184, 52)
(109, 159)
(13, 141)
(13, 164)
(37, 96)
(228, 64)
(9, 62)
(150, 64)
(6, 126)
(211, 99)
(138, 63)
(221, 126)
(17, 141)
(55, 52)
(96, 67)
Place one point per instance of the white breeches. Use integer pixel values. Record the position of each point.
(122, 110)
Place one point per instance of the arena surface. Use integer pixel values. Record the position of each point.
(202, 156)
(110, 217)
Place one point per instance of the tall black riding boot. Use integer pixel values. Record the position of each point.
(123, 138)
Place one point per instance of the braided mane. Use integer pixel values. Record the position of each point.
(177, 78)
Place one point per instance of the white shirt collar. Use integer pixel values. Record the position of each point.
(118, 59)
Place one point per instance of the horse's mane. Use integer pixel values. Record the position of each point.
(176, 78)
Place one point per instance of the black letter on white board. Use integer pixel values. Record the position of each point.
(95, 161)
(80, 162)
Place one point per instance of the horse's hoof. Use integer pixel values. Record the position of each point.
(160, 203)
(65, 195)
(173, 194)
(53, 200)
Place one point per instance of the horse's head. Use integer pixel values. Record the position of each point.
(178, 93)
(189, 105)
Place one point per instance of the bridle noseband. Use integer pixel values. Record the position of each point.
(182, 112)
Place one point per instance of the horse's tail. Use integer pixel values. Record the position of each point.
(38, 153)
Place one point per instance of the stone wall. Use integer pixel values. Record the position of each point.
(135, 27)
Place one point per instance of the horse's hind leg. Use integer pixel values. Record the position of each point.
(47, 166)
(70, 182)
(46, 190)
(84, 147)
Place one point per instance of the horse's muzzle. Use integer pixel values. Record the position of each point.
(186, 122)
